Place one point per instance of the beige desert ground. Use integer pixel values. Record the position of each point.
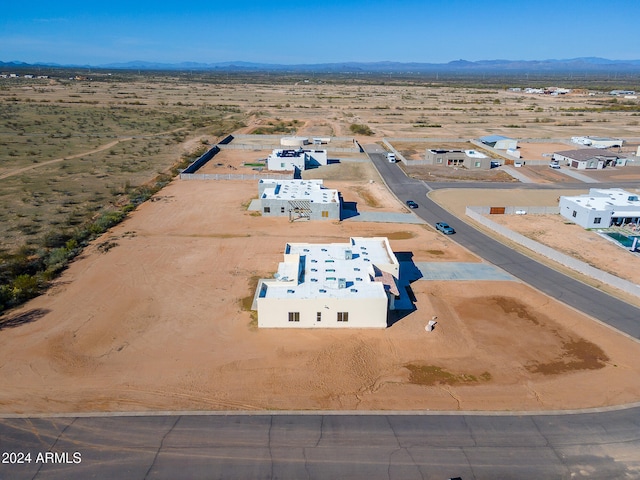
(153, 315)
(151, 318)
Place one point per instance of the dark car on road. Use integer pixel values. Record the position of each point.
(412, 204)
(445, 228)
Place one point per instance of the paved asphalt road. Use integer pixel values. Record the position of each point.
(585, 298)
(595, 445)
(599, 446)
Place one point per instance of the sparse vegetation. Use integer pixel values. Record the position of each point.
(359, 129)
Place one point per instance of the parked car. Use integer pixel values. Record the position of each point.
(445, 228)
(412, 204)
(554, 165)
(391, 157)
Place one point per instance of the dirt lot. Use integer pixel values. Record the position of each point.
(587, 246)
(151, 318)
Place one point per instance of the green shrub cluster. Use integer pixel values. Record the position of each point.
(360, 129)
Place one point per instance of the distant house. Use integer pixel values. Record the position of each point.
(598, 142)
(457, 158)
(499, 142)
(301, 159)
(588, 158)
(601, 208)
(299, 199)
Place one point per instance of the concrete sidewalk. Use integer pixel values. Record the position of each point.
(385, 217)
(578, 176)
(516, 173)
(462, 271)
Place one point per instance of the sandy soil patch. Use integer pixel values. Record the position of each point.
(156, 322)
(541, 151)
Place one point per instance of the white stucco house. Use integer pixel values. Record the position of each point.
(601, 208)
(299, 199)
(301, 159)
(598, 142)
(336, 285)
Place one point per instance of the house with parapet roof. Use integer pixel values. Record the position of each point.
(296, 159)
(299, 199)
(331, 285)
(471, 159)
(601, 208)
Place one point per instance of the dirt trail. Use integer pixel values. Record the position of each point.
(101, 148)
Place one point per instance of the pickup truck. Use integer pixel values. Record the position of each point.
(391, 157)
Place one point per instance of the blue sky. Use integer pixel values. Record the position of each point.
(290, 32)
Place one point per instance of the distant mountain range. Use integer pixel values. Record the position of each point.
(585, 64)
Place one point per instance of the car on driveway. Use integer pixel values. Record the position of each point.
(445, 228)
(412, 204)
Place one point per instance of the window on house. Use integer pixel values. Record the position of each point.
(477, 164)
(325, 214)
(439, 160)
(281, 209)
(282, 165)
(574, 214)
(294, 316)
(267, 209)
(597, 220)
(343, 316)
(319, 317)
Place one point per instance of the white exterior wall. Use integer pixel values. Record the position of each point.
(285, 163)
(584, 216)
(317, 156)
(363, 312)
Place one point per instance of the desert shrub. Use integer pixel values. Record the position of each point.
(360, 129)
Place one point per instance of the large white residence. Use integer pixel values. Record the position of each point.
(335, 285)
(601, 208)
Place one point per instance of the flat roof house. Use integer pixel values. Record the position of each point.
(601, 208)
(300, 159)
(458, 158)
(335, 285)
(299, 199)
(588, 158)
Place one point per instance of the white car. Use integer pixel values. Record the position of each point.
(391, 157)
(554, 165)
